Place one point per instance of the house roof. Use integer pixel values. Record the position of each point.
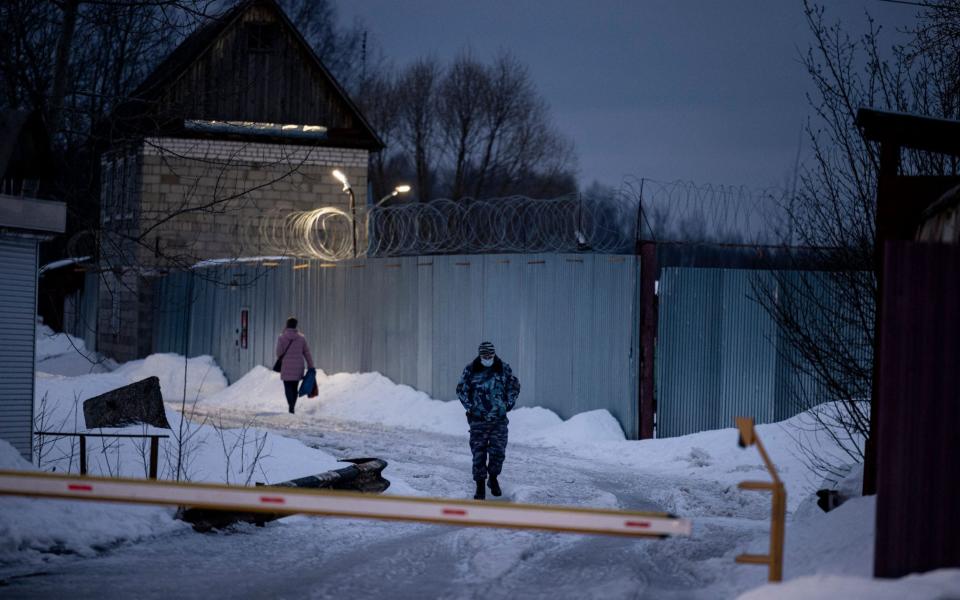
(179, 62)
(910, 131)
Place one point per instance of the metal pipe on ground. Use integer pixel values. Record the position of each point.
(364, 475)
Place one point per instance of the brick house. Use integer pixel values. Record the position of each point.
(240, 123)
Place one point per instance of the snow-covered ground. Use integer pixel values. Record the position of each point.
(242, 433)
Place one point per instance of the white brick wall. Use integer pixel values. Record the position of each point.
(237, 153)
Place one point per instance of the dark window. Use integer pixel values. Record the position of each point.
(262, 37)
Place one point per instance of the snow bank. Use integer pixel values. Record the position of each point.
(716, 456)
(204, 377)
(213, 454)
(935, 585)
(711, 456)
(51, 344)
(63, 354)
(594, 435)
(31, 527)
(372, 398)
(837, 542)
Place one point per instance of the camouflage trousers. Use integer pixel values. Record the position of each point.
(488, 443)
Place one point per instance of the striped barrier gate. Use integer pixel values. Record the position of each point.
(334, 503)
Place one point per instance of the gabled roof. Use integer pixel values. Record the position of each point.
(193, 49)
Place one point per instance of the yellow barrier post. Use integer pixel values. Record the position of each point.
(773, 560)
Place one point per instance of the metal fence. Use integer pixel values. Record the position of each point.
(80, 311)
(567, 323)
(721, 354)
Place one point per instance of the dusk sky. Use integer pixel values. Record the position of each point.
(711, 92)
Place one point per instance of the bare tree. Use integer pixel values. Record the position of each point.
(460, 108)
(828, 319)
(378, 100)
(346, 50)
(471, 129)
(418, 85)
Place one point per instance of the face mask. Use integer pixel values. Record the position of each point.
(487, 362)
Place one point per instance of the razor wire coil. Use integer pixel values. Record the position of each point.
(639, 210)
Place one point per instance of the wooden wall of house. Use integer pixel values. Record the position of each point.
(257, 70)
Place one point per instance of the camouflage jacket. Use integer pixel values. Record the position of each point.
(488, 393)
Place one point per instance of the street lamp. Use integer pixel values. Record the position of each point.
(339, 176)
(400, 189)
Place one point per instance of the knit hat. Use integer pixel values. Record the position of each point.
(486, 350)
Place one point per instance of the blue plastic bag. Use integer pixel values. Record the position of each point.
(309, 383)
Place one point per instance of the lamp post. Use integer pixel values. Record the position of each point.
(339, 176)
(371, 225)
(400, 189)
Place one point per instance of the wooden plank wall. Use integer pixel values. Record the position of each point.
(918, 458)
(256, 70)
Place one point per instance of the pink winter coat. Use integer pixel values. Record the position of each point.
(291, 369)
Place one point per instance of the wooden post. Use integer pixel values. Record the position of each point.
(777, 518)
(889, 169)
(83, 454)
(154, 450)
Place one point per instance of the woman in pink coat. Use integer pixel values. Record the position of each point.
(292, 346)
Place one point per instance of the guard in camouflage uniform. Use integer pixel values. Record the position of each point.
(488, 390)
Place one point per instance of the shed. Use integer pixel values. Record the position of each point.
(241, 124)
(913, 453)
(24, 223)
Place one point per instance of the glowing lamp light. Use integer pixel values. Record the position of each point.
(339, 176)
(400, 189)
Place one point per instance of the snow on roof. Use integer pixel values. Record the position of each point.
(214, 262)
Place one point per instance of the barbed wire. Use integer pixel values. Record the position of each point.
(609, 223)
(682, 211)
(326, 233)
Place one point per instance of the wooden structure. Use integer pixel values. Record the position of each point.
(241, 123)
(778, 505)
(913, 452)
(249, 65)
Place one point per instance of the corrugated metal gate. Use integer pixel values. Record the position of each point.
(716, 351)
(18, 310)
(720, 354)
(566, 323)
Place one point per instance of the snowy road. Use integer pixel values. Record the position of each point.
(302, 557)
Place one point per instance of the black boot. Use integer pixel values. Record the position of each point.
(481, 492)
(291, 407)
(494, 486)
